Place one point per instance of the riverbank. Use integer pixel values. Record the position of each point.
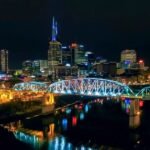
(18, 110)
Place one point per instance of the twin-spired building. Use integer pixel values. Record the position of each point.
(54, 51)
(60, 56)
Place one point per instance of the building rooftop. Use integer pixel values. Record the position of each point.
(127, 51)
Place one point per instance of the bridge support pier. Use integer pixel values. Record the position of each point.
(134, 115)
(48, 105)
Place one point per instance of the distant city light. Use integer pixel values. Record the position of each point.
(64, 47)
(141, 61)
(73, 45)
(81, 45)
(68, 65)
(88, 53)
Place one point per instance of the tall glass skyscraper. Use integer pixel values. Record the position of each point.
(78, 53)
(54, 51)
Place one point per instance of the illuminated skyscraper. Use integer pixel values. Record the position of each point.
(66, 55)
(128, 58)
(34, 67)
(78, 53)
(54, 51)
(4, 60)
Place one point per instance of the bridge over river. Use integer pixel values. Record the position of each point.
(91, 87)
(86, 87)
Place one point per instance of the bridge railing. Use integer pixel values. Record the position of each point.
(34, 86)
(90, 86)
(83, 86)
(144, 92)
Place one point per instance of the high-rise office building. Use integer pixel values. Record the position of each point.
(35, 67)
(27, 67)
(54, 51)
(78, 53)
(4, 60)
(128, 58)
(141, 64)
(41, 65)
(66, 55)
(106, 68)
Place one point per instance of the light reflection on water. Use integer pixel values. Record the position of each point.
(55, 127)
(64, 119)
(29, 139)
(59, 143)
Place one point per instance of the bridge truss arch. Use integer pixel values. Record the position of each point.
(144, 92)
(90, 87)
(32, 86)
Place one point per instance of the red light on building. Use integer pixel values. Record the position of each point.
(141, 61)
(141, 103)
(73, 45)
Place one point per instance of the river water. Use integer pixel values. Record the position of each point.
(99, 124)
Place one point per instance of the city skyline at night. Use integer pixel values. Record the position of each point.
(74, 74)
(102, 27)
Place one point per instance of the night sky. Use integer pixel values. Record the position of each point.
(105, 27)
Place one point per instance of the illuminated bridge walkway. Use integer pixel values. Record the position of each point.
(144, 93)
(85, 86)
(33, 86)
(90, 87)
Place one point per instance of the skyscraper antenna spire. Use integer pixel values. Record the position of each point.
(54, 29)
